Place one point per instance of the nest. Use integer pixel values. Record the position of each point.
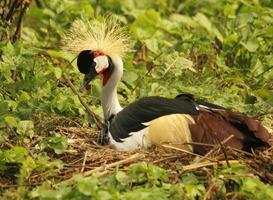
(85, 156)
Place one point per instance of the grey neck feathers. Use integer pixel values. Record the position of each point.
(109, 97)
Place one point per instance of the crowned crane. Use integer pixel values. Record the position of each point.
(180, 121)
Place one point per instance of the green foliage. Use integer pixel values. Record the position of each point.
(18, 163)
(58, 143)
(127, 185)
(15, 155)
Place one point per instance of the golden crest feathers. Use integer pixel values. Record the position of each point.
(107, 36)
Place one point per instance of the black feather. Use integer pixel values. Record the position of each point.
(146, 109)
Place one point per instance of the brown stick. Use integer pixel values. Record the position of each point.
(104, 169)
(11, 10)
(165, 159)
(185, 151)
(17, 33)
(215, 148)
(132, 158)
(210, 190)
(205, 164)
(84, 161)
(241, 151)
(223, 149)
(94, 117)
(200, 144)
(3, 8)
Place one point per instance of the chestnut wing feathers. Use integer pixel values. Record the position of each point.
(212, 127)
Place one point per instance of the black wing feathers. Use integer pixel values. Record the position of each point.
(130, 119)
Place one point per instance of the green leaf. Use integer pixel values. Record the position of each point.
(58, 143)
(152, 45)
(26, 128)
(2, 136)
(11, 121)
(130, 76)
(122, 178)
(265, 94)
(184, 20)
(258, 68)
(205, 22)
(4, 108)
(252, 45)
(87, 186)
(28, 165)
(61, 54)
(24, 96)
(57, 72)
(16, 154)
(146, 25)
(230, 10)
(231, 39)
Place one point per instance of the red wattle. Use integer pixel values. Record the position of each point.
(105, 79)
(103, 70)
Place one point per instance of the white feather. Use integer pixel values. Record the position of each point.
(136, 140)
(101, 63)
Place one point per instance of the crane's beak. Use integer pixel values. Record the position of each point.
(87, 78)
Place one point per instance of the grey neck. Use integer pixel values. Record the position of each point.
(109, 97)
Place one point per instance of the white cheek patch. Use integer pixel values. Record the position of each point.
(101, 63)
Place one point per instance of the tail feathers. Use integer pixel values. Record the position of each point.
(251, 125)
(255, 133)
(211, 127)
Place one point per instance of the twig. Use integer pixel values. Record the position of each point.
(93, 115)
(182, 150)
(6, 143)
(223, 149)
(205, 164)
(17, 33)
(200, 144)
(3, 8)
(210, 190)
(104, 169)
(215, 148)
(167, 158)
(103, 173)
(132, 158)
(84, 161)
(12, 8)
(241, 151)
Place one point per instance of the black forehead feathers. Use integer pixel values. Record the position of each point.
(85, 61)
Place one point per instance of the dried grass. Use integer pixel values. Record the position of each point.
(85, 156)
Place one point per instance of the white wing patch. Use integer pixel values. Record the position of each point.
(137, 140)
(146, 123)
(101, 63)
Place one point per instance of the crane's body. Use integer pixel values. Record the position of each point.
(155, 120)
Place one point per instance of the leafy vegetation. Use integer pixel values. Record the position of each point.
(145, 181)
(217, 50)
